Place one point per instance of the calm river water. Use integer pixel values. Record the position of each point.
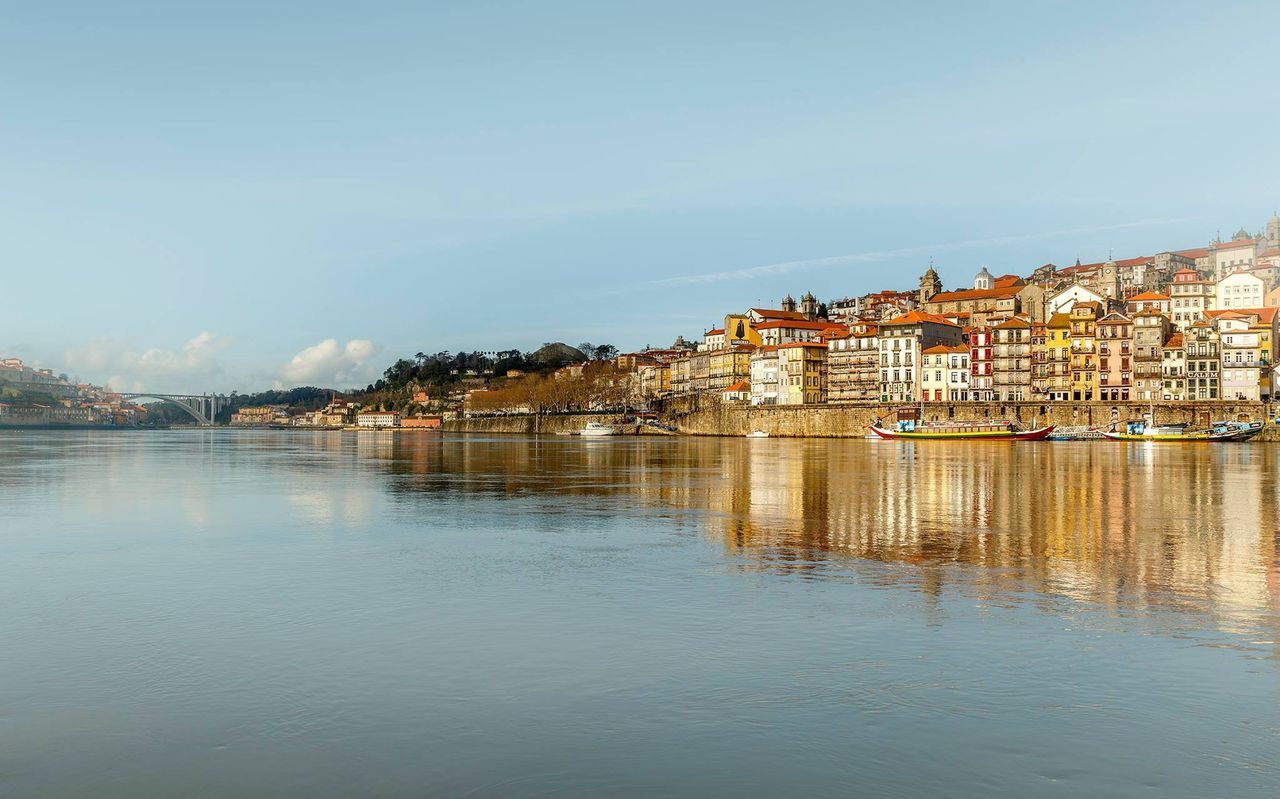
(235, 613)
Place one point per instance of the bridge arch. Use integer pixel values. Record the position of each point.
(194, 406)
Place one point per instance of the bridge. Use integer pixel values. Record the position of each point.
(201, 407)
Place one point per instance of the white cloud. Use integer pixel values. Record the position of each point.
(190, 368)
(331, 365)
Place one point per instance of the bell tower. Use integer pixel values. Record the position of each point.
(809, 306)
(930, 284)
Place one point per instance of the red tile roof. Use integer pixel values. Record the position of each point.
(1013, 323)
(1149, 296)
(916, 317)
(945, 349)
(797, 324)
(737, 387)
(1263, 314)
(769, 313)
(1236, 245)
(1000, 292)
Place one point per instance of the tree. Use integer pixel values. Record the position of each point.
(605, 352)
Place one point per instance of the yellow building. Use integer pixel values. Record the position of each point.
(1057, 360)
(801, 368)
(729, 366)
(1083, 349)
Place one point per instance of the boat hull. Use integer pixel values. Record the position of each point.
(1187, 438)
(1039, 434)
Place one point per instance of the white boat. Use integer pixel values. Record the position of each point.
(597, 429)
(757, 434)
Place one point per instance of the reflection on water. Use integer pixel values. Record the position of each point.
(1126, 526)
(327, 614)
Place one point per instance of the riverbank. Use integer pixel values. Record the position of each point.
(707, 417)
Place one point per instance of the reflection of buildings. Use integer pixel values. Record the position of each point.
(1180, 528)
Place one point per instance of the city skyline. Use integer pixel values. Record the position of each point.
(432, 179)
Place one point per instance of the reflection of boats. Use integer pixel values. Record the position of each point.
(757, 434)
(1222, 431)
(989, 430)
(597, 429)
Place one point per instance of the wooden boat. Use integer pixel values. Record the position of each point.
(1140, 431)
(1245, 430)
(986, 431)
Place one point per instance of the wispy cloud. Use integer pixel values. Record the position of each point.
(876, 256)
(127, 368)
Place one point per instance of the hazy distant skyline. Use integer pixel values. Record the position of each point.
(229, 196)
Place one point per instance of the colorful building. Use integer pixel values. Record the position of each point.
(1115, 357)
(902, 341)
(1083, 349)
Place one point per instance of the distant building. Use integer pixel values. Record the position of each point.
(377, 419)
(422, 422)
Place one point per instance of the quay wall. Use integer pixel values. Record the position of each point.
(704, 416)
(528, 424)
(707, 416)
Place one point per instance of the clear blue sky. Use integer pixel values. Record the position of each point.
(227, 195)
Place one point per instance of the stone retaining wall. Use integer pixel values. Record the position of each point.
(705, 416)
(528, 424)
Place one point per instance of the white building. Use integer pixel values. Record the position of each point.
(944, 373)
(1246, 340)
(902, 342)
(764, 376)
(1189, 298)
(1240, 290)
(378, 419)
(1063, 301)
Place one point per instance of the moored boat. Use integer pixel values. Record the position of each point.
(757, 434)
(597, 429)
(1141, 431)
(985, 430)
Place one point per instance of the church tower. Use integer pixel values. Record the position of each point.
(930, 285)
(789, 304)
(1273, 230)
(809, 306)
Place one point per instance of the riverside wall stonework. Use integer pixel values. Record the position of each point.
(707, 416)
(528, 424)
(704, 416)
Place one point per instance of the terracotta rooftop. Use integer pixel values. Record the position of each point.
(944, 349)
(793, 324)
(772, 313)
(1149, 296)
(1000, 292)
(1013, 323)
(917, 317)
(1263, 314)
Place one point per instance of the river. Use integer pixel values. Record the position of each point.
(209, 613)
